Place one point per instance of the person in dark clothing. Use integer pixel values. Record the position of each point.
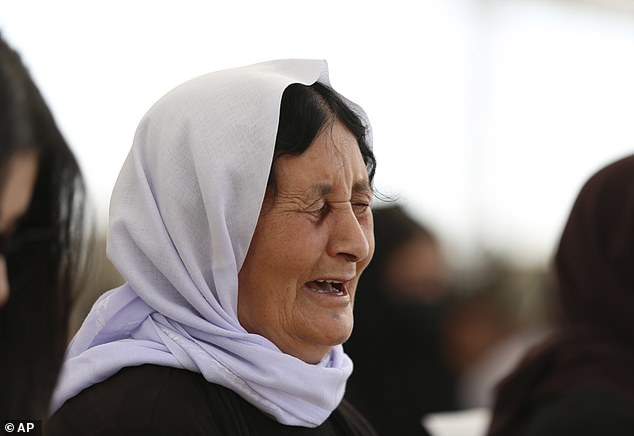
(41, 232)
(400, 372)
(580, 381)
(241, 224)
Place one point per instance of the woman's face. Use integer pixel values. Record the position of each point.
(15, 197)
(313, 239)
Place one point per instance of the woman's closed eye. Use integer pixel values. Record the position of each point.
(360, 207)
(320, 210)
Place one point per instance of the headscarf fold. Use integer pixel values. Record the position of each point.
(593, 350)
(182, 215)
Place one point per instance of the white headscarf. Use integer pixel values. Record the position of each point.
(182, 215)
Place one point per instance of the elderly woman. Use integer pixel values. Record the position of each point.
(41, 216)
(241, 223)
(580, 381)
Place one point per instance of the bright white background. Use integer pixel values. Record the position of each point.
(487, 114)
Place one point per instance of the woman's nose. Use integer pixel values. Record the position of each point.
(349, 238)
(4, 282)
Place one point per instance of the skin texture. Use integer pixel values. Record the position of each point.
(315, 225)
(15, 197)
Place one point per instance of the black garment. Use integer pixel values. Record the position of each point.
(399, 376)
(584, 414)
(157, 400)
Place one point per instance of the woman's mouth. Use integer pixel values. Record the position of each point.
(330, 287)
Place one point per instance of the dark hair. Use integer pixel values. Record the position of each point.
(43, 257)
(305, 111)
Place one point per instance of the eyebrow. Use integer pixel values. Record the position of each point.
(363, 187)
(322, 189)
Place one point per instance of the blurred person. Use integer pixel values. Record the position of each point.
(579, 381)
(477, 320)
(41, 221)
(400, 372)
(491, 324)
(241, 223)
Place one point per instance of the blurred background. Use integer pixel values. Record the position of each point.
(488, 115)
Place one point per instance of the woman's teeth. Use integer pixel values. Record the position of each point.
(327, 286)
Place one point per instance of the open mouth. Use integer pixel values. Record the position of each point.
(330, 287)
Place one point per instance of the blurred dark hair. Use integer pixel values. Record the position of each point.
(305, 111)
(43, 257)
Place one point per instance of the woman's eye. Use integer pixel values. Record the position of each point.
(324, 209)
(321, 211)
(360, 207)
